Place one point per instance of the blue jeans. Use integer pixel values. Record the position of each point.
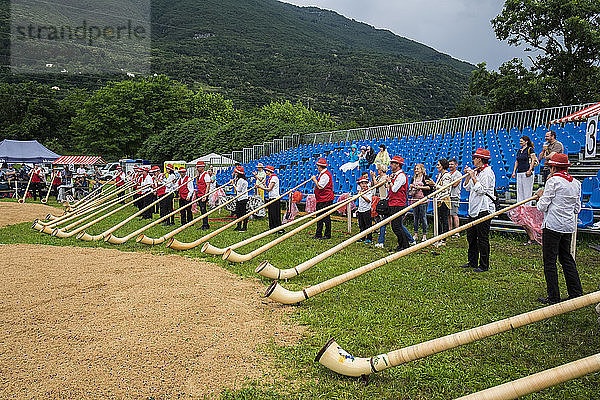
(420, 218)
(381, 238)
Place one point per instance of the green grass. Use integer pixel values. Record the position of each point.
(417, 298)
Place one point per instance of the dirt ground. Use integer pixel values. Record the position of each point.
(101, 323)
(14, 213)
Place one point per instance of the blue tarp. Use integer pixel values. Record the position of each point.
(26, 151)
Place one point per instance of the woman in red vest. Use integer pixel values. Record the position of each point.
(324, 197)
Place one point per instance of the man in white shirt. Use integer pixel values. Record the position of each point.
(364, 208)
(453, 221)
(146, 183)
(272, 187)
(170, 182)
(480, 182)
(560, 201)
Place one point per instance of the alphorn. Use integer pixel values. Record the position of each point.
(269, 271)
(177, 245)
(90, 238)
(62, 234)
(216, 251)
(232, 256)
(120, 240)
(89, 197)
(21, 201)
(277, 293)
(45, 199)
(152, 241)
(338, 360)
(540, 381)
(47, 226)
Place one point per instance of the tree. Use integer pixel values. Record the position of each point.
(566, 35)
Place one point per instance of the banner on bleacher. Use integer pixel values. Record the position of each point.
(591, 139)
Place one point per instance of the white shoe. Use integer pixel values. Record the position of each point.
(379, 245)
(456, 235)
(412, 243)
(424, 238)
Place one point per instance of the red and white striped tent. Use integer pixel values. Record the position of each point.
(85, 160)
(581, 115)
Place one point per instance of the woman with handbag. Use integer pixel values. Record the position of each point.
(416, 191)
(525, 162)
(382, 205)
(443, 198)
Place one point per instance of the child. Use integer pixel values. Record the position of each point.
(364, 208)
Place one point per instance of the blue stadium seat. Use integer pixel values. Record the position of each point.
(588, 185)
(595, 199)
(585, 217)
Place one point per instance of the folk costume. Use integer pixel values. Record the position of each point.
(203, 182)
(241, 186)
(183, 183)
(324, 198)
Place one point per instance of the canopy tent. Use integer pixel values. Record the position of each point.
(214, 158)
(25, 151)
(85, 160)
(580, 115)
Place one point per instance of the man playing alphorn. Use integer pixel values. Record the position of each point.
(324, 197)
(203, 182)
(480, 182)
(184, 192)
(272, 187)
(397, 194)
(560, 201)
(166, 204)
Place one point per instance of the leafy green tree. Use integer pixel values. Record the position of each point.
(566, 36)
(213, 107)
(119, 117)
(296, 114)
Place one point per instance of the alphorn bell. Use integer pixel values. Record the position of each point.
(45, 199)
(120, 240)
(540, 381)
(177, 245)
(232, 256)
(152, 241)
(338, 360)
(216, 251)
(89, 238)
(21, 201)
(269, 271)
(277, 293)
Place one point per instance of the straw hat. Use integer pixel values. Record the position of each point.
(260, 165)
(559, 160)
(398, 160)
(482, 153)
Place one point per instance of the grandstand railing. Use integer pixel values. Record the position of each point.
(484, 122)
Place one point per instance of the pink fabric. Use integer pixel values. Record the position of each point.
(529, 217)
(343, 197)
(311, 203)
(215, 198)
(291, 214)
(195, 205)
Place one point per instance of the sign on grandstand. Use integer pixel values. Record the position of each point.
(591, 139)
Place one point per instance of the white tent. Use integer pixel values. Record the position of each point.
(214, 159)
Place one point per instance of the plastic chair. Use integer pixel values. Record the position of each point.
(595, 199)
(585, 217)
(588, 185)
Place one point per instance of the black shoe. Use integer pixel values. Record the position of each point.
(243, 230)
(480, 270)
(205, 228)
(325, 238)
(360, 240)
(237, 228)
(571, 297)
(316, 237)
(466, 266)
(547, 301)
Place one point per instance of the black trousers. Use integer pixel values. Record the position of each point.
(202, 207)
(478, 237)
(274, 210)
(364, 222)
(240, 211)
(36, 190)
(396, 224)
(325, 221)
(145, 201)
(443, 213)
(556, 244)
(166, 207)
(186, 213)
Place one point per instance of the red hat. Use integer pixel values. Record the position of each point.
(239, 170)
(398, 160)
(200, 164)
(363, 179)
(482, 153)
(182, 169)
(118, 167)
(559, 160)
(155, 168)
(270, 168)
(321, 162)
(170, 166)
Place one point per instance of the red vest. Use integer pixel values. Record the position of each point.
(57, 179)
(36, 175)
(325, 194)
(161, 190)
(201, 185)
(119, 179)
(398, 198)
(183, 190)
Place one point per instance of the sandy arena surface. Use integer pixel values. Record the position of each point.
(14, 213)
(100, 323)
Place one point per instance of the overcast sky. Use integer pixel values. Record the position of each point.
(460, 28)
